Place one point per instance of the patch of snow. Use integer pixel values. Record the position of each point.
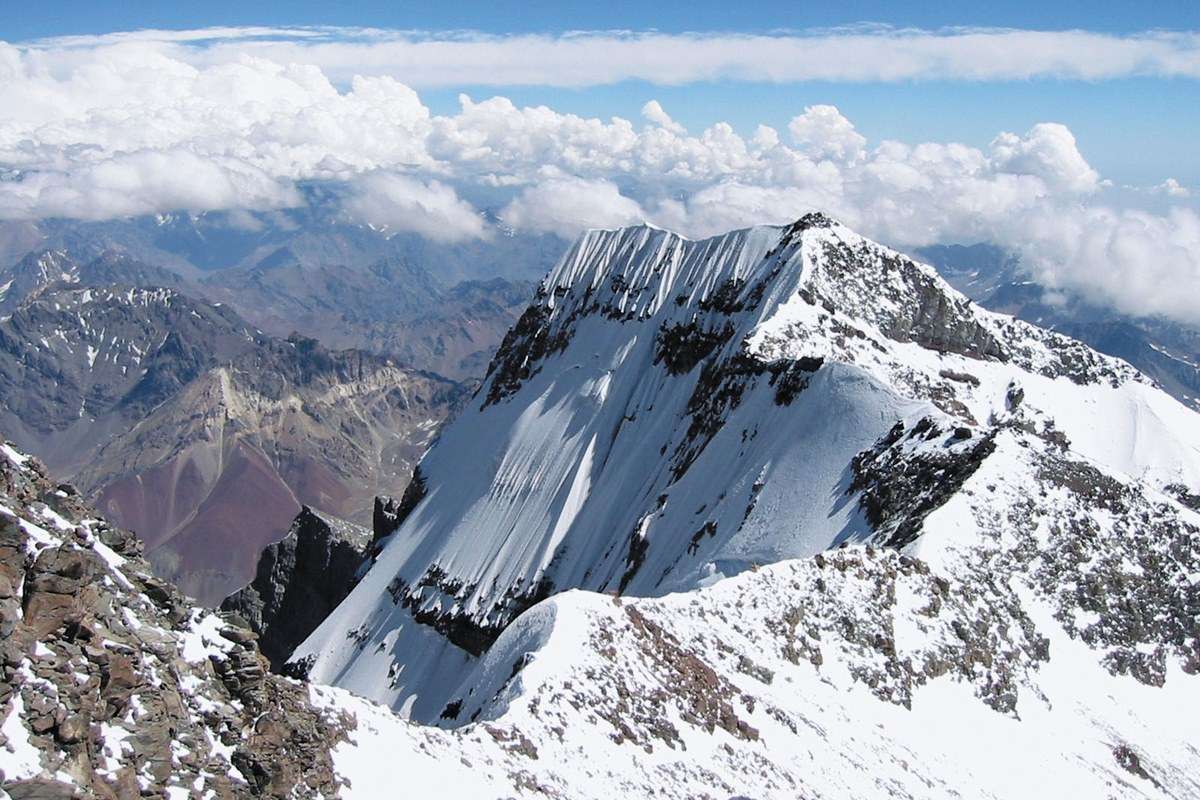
(22, 759)
(13, 455)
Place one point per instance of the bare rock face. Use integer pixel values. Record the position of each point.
(58, 590)
(299, 580)
(112, 685)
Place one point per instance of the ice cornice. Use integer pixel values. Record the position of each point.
(614, 246)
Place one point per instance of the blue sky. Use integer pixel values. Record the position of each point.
(1134, 130)
(58, 17)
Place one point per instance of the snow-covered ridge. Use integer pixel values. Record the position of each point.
(867, 672)
(812, 288)
(670, 412)
(861, 672)
(816, 290)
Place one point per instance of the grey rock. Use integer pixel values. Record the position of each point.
(1167, 351)
(72, 729)
(299, 581)
(38, 789)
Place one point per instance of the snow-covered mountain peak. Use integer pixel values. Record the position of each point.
(808, 293)
(668, 413)
(50, 270)
(813, 288)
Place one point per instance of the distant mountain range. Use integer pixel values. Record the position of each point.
(45, 269)
(204, 435)
(392, 306)
(202, 377)
(318, 234)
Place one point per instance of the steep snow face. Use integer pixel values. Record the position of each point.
(671, 412)
(861, 672)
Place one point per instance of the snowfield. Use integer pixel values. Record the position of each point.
(790, 681)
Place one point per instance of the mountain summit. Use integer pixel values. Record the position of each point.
(669, 413)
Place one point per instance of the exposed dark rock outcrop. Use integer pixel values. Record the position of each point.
(1162, 349)
(462, 629)
(383, 517)
(390, 514)
(909, 474)
(682, 346)
(518, 358)
(299, 580)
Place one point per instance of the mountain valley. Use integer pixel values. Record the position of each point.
(201, 433)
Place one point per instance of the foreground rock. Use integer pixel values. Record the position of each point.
(112, 685)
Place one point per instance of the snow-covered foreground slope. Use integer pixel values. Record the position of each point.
(1009, 667)
(863, 672)
(670, 412)
(859, 674)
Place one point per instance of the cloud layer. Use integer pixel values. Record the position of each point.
(149, 122)
(862, 53)
(391, 202)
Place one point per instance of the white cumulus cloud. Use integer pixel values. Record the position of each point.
(822, 131)
(566, 206)
(142, 123)
(653, 112)
(402, 203)
(1048, 151)
(1172, 188)
(1137, 262)
(143, 182)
